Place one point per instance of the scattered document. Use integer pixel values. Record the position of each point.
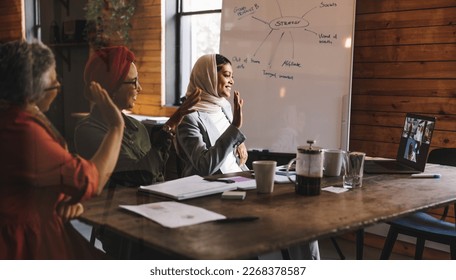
(243, 183)
(334, 189)
(172, 214)
(282, 179)
(188, 187)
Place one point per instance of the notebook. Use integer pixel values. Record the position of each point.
(413, 148)
(197, 186)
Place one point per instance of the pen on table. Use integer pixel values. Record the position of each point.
(228, 181)
(237, 219)
(424, 175)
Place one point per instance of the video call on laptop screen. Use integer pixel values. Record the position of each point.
(416, 139)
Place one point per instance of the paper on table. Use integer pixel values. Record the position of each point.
(174, 214)
(283, 178)
(334, 189)
(243, 183)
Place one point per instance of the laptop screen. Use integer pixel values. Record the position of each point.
(416, 140)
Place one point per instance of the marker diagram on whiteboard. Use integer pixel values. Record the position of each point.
(286, 28)
(292, 65)
(281, 33)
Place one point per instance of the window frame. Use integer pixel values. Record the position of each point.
(174, 53)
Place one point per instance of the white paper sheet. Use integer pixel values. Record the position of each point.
(334, 189)
(173, 214)
(243, 183)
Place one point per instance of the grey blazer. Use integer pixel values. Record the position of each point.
(201, 147)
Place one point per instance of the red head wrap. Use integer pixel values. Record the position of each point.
(109, 67)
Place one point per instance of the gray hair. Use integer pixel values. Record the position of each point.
(16, 85)
(43, 60)
(22, 69)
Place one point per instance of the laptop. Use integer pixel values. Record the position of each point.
(413, 148)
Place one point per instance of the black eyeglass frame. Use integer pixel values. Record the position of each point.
(134, 82)
(58, 87)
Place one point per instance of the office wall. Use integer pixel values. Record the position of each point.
(11, 20)
(404, 60)
(147, 43)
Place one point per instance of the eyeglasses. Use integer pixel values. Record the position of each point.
(134, 82)
(53, 88)
(56, 86)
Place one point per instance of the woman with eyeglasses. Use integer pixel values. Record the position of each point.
(41, 182)
(141, 161)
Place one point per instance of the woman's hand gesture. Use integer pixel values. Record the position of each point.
(237, 112)
(101, 98)
(184, 109)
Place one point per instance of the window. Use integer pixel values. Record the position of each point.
(192, 29)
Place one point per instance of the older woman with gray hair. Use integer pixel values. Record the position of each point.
(41, 180)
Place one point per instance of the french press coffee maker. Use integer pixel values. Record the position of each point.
(309, 169)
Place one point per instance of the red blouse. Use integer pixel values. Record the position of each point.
(36, 172)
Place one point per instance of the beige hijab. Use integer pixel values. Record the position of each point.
(204, 76)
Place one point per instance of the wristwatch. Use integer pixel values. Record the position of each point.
(166, 128)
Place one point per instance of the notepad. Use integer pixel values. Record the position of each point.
(188, 187)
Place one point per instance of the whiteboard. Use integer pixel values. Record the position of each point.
(292, 64)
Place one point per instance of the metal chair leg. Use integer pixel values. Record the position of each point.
(453, 250)
(389, 243)
(285, 254)
(339, 251)
(359, 244)
(419, 249)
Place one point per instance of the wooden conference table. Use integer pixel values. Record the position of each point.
(285, 218)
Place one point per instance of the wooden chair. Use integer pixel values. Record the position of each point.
(424, 226)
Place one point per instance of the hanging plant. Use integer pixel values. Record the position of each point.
(109, 20)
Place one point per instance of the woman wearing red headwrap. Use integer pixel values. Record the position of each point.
(140, 161)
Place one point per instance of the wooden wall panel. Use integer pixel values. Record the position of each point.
(398, 19)
(146, 34)
(11, 20)
(375, 6)
(404, 61)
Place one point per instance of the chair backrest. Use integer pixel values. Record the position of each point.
(443, 156)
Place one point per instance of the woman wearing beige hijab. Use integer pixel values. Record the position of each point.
(209, 139)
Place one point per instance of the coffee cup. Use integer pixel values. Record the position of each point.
(264, 175)
(333, 161)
